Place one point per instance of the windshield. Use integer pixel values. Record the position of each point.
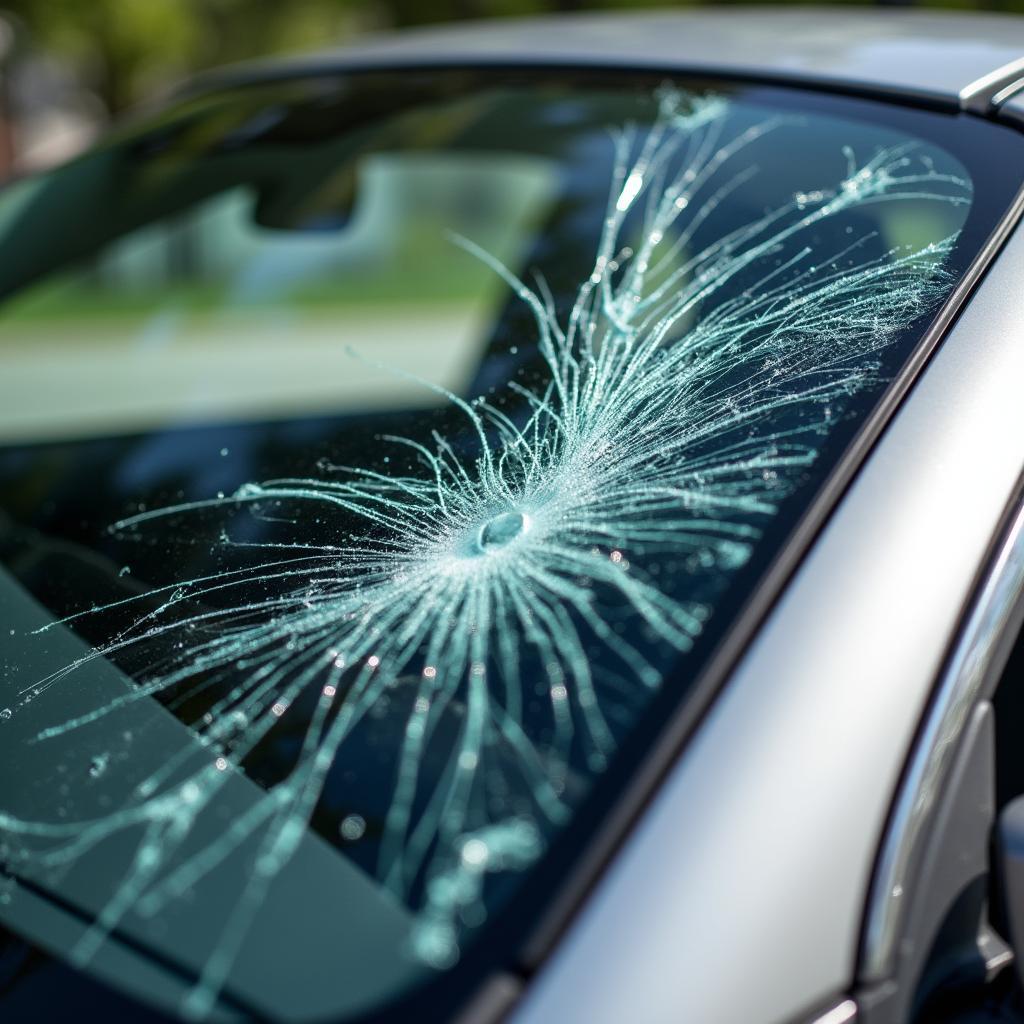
(383, 457)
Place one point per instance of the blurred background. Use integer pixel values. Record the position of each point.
(148, 328)
(68, 66)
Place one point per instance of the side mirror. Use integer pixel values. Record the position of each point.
(1010, 854)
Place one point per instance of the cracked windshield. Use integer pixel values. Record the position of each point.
(376, 453)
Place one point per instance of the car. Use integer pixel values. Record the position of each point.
(524, 522)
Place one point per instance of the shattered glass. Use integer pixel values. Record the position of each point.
(424, 626)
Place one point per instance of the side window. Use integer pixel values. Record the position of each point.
(1009, 713)
(954, 958)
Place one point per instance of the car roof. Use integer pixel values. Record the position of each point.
(943, 58)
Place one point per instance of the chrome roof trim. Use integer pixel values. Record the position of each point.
(1006, 93)
(974, 657)
(1009, 104)
(989, 91)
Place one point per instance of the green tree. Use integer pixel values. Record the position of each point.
(124, 49)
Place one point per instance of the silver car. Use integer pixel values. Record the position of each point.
(524, 523)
